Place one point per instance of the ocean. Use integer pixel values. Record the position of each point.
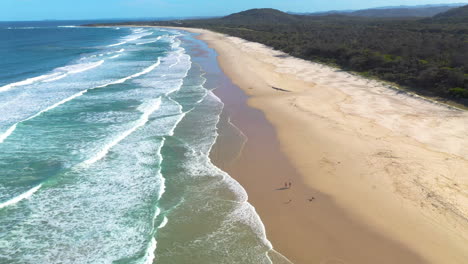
(105, 140)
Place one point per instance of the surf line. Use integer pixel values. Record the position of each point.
(150, 255)
(27, 81)
(150, 41)
(130, 39)
(57, 74)
(20, 197)
(147, 111)
(10, 130)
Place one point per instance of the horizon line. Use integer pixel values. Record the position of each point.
(162, 18)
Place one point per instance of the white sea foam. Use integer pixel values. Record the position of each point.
(27, 81)
(147, 109)
(57, 74)
(57, 104)
(180, 108)
(145, 71)
(174, 64)
(180, 117)
(149, 41)
(141, 35)
(245, 212)
(200, 164)
(163, 223)
(115, 56)
(181, 52)
(131, 38)
(117, 44)
(77, 68)
(149, 257)
(23, 27)
(20, 197)
(56, 78)
(118, 51)
(127, 175)
(102, 54)
(92, 197)
(7, 133)
(146, 42)
(10, 130)
(162, 187)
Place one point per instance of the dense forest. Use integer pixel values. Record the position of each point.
(402, 11)
(429, 56)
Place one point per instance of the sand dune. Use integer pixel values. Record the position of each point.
(395, 162)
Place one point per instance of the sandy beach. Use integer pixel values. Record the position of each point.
(378, 175)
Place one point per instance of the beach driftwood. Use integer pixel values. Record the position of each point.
(280, 89)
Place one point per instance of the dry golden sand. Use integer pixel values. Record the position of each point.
(303, 223)
(396, 164)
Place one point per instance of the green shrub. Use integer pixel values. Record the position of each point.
(458, 92)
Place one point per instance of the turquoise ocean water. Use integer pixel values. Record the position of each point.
(105, 135)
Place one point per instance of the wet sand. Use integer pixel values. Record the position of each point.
(303, 224)
(388, 170)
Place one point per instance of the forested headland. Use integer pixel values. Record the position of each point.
(428, 55)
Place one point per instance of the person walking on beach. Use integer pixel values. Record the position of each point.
(286, 185)
(290, 185)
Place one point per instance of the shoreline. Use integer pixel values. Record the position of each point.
(395, 165)
(452, 104)
(358, 155)
(261, 168)
(388, 169)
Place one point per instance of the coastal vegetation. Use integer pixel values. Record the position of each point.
(399, 11)
(428, 55)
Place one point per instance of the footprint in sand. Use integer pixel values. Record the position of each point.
(327, 165)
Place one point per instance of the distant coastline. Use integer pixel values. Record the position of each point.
(378, 43)
(455, 104)
(259, 137)
(333, 111)
(325, 125)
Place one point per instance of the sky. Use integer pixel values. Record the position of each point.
(20, 10)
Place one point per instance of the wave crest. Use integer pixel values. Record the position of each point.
(20, 197)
